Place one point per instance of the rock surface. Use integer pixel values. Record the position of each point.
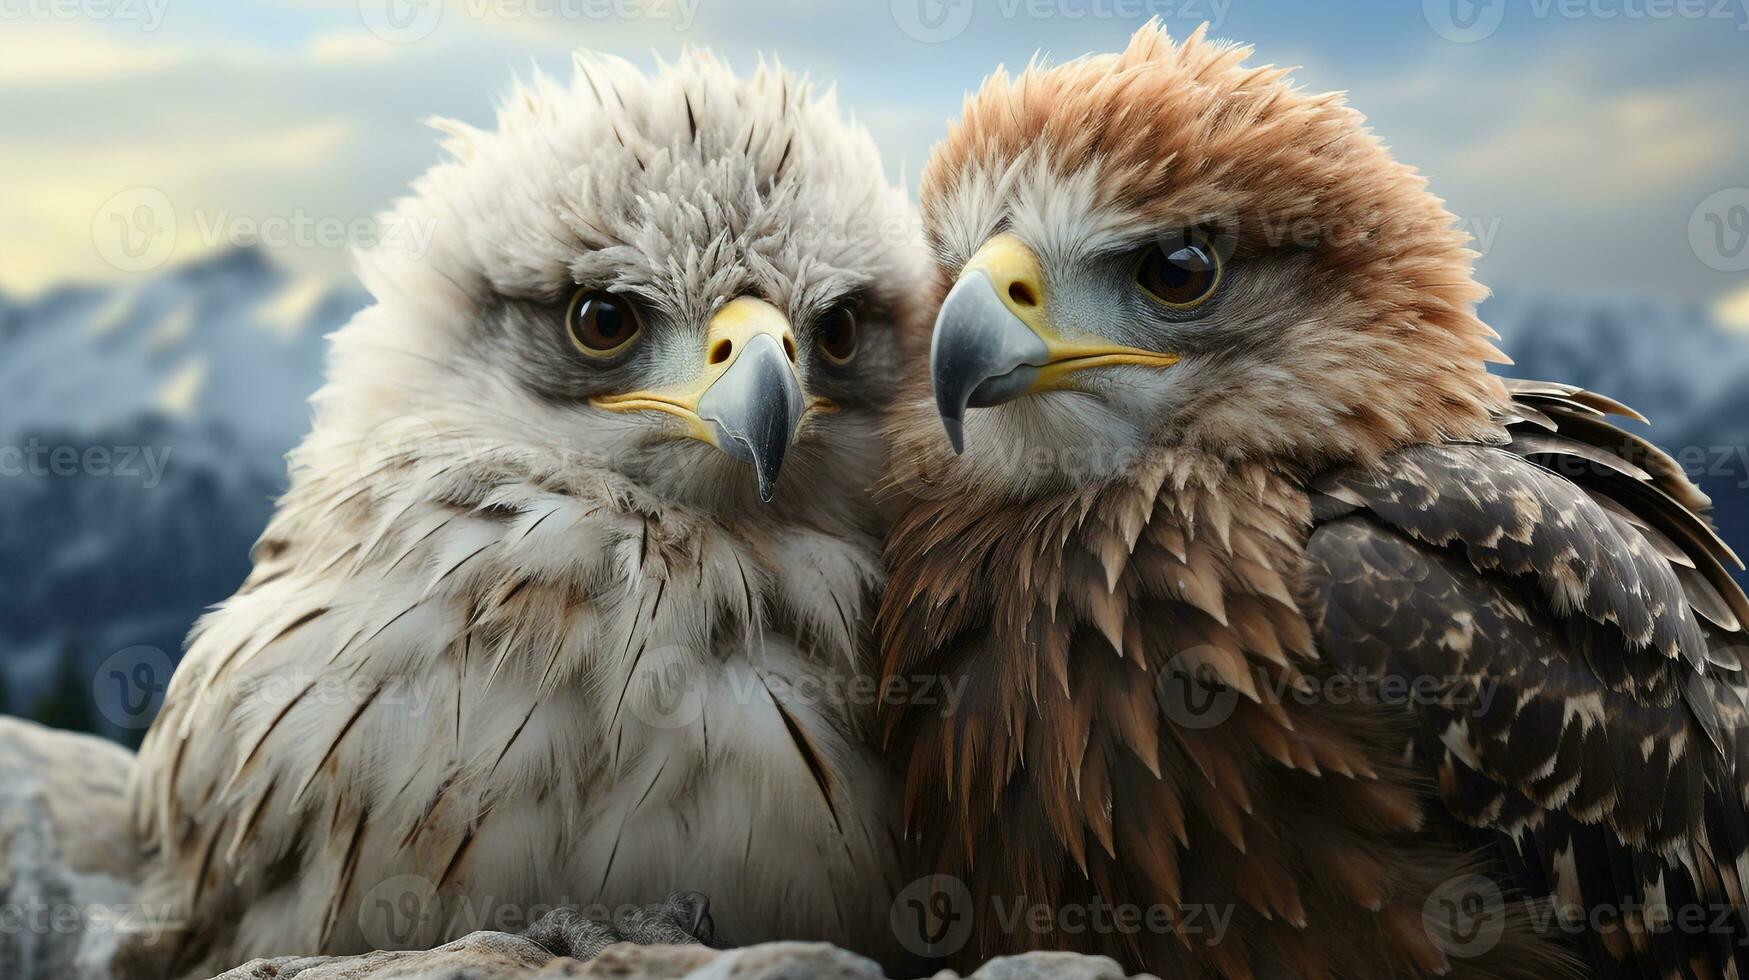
(68, 866)
(496, 956)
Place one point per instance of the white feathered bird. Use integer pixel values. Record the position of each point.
(523, 632)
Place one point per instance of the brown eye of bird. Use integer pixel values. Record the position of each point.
(838, 335)
(1181, 272)
(601, 323)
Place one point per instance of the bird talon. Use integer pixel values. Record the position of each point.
(701, 926)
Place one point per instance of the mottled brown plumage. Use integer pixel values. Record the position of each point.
(1570, 568)
(1322, 492)
(1063, 777)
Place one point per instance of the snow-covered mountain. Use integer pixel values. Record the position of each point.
(230, 339)
(203, 372)
(142, 434)
(1673, 363)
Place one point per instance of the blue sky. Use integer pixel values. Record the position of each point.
(1590, 145)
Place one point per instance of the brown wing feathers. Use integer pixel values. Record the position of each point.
(1573, 570)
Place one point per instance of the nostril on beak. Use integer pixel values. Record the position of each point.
(789, 348)
(1022, 293)
(721, 351)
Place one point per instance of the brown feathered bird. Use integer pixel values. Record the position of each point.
(1270, 602)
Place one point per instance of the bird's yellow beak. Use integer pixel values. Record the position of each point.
(747, 401)
(994, 341)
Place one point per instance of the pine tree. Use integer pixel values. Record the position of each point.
(67, 704)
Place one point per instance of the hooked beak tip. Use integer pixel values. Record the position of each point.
(981, 353)
(956, 435)
(767, 461)
(756, 407)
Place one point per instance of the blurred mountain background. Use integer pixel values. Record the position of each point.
(206, 368)
(201, 374)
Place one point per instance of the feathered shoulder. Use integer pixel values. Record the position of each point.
(1569, 593)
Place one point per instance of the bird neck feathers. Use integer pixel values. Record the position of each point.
(602, 537)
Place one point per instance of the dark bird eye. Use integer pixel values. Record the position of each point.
(1180, 271)
(601, 323)
(838, 335)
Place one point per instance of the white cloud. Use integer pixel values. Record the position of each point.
(41, 52)
(209, 173)
(181, 390)
(1733, 310)
(1596, 146)
(1586, 170)
(347, 46)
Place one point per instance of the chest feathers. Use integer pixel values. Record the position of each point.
(529, 696)
(1149, 738)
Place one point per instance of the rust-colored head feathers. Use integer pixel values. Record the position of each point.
(1345, 326)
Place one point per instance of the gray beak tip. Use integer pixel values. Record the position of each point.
(981, 354)
(756, 407)
(956, 435)
(766, 464)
